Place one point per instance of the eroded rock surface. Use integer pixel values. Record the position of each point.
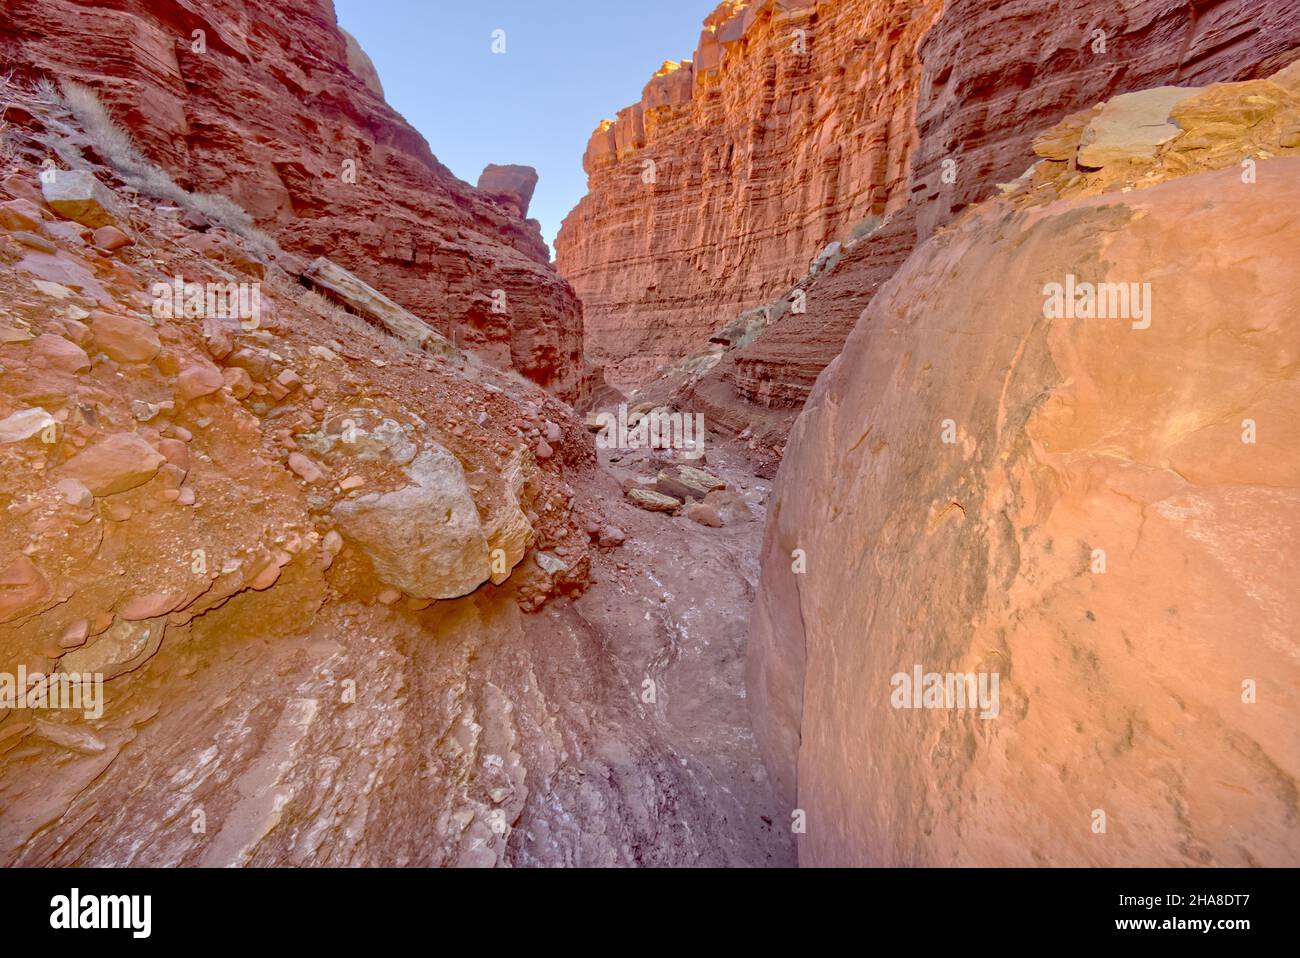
(1101, 510)
(256, 535)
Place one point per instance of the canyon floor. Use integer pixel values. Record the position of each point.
(672, 608)
(258, 762)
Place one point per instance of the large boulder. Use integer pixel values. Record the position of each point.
(115, 464)
(687, 482)
(730, 506)
(425, 539)
(1102, 514)
(52, 351)
(21, 215)
(124, 338)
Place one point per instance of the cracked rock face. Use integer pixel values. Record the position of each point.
(1090, 507)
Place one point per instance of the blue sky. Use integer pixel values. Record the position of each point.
(566, 67)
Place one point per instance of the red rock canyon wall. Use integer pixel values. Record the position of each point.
(764, 156)
(268, 112)
(1101, 511)
(299, 553)
(790, 122)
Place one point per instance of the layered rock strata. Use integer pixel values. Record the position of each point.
(791, 122)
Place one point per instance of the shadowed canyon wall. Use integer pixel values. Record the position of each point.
(763, 155)
(353, 601)
(274, 106)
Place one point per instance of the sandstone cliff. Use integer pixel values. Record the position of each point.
(274, 106)
(790, 123)
(1100, 510)
(764, 154)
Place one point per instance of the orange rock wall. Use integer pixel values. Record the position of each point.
(1103, 512)
(792, 122)
(763, 157)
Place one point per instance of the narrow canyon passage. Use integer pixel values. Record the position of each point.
(471, 734)
(670, 612)
(988, 310)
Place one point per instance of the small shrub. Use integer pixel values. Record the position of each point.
(865, 227)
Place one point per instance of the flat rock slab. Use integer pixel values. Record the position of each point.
(653, 501)
(1132, 126)
(115, 464)
(77, 195)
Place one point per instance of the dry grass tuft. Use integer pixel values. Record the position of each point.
(141, 174)
(7, 148)
(46, 91)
